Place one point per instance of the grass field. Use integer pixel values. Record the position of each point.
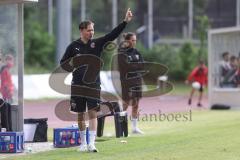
(180, 88)
(210, 135)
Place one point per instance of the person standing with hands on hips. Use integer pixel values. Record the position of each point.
(86, 45)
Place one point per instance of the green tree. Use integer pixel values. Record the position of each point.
(203, 25)
(188, 58)
(165, 55)
(39, 47)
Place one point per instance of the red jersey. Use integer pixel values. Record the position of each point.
(199, 74)
(7, 87)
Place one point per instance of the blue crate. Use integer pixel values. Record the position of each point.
(11, 142)
(66, 137)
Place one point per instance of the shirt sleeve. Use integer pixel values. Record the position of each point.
(65, 62)
(192, 74)
(113, 34)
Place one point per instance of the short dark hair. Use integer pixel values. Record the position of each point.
(84, 24)
(232, 58)
(128, 35)
(224, 54)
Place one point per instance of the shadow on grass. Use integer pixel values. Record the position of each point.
(104, 139)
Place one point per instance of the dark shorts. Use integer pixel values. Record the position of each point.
(201, 89)
(130, 95)
(81, 104)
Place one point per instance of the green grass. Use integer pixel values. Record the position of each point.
(211, 135)
(180, 88)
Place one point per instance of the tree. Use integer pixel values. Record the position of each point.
(39, 46)
(188, 58)
(203, 25)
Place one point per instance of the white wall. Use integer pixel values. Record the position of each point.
(37, 86)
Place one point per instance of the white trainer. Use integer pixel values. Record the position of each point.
(92, 148)
(83, 148)
(137, 131)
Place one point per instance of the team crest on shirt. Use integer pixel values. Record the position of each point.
(73, 105)
(92, 45)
